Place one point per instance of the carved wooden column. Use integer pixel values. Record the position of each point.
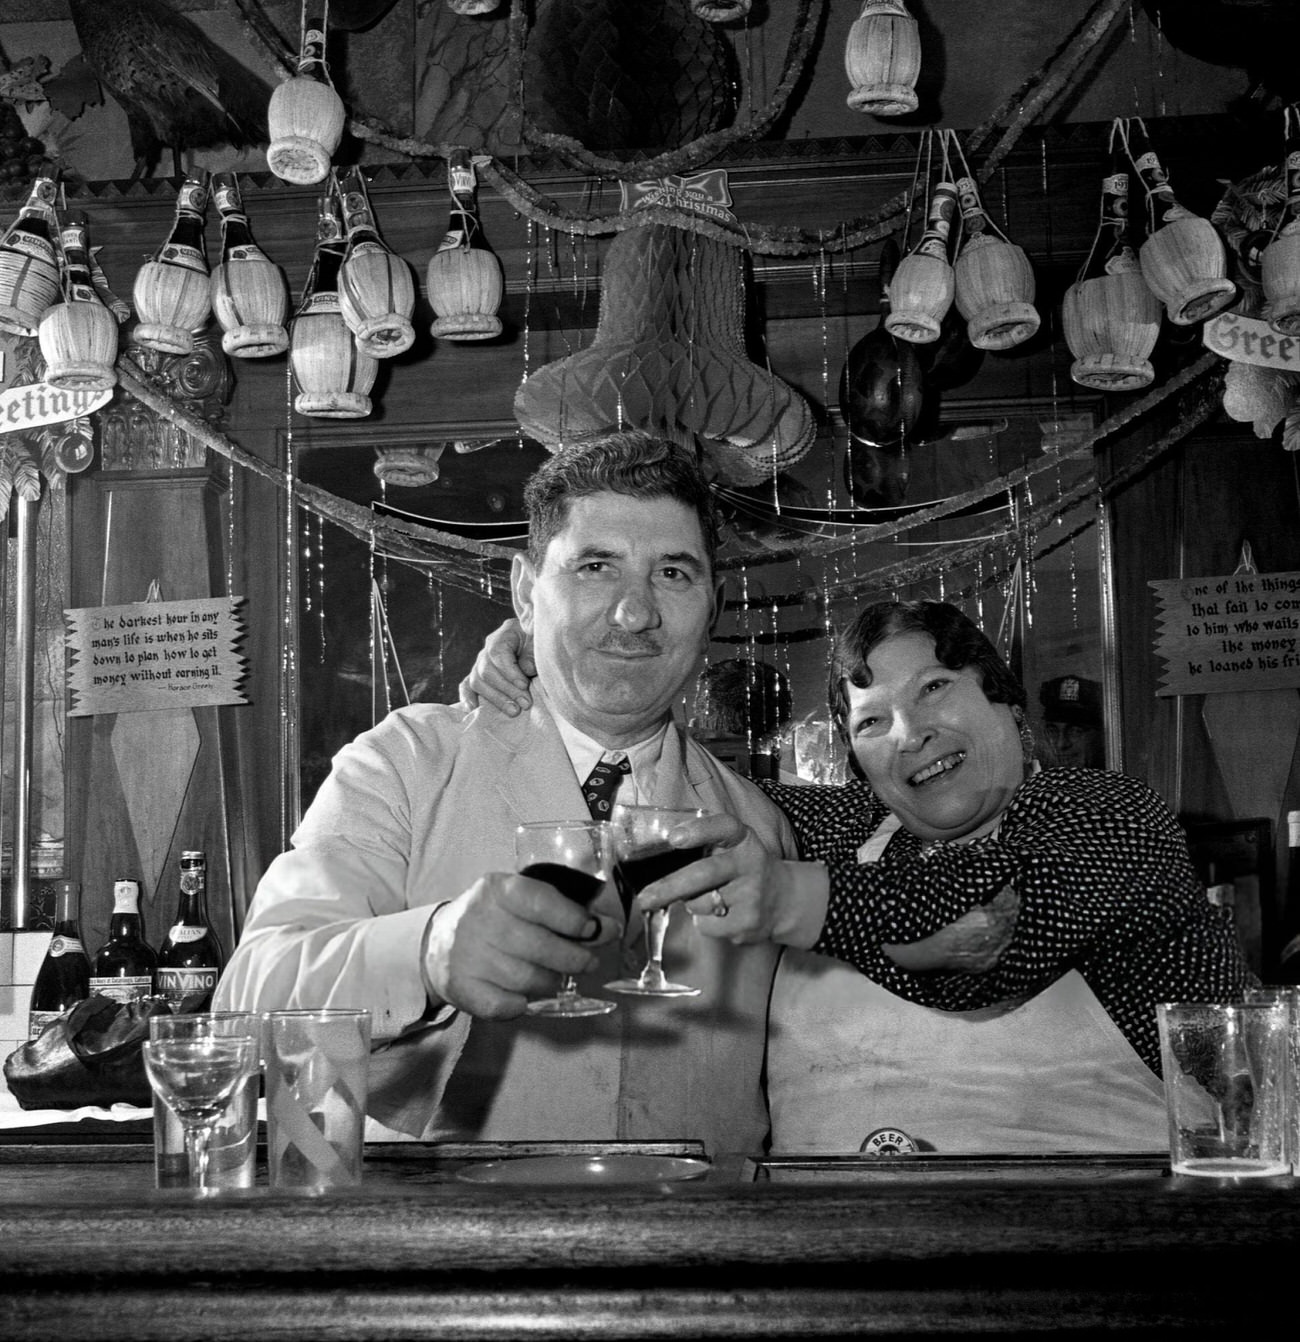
(153, 783)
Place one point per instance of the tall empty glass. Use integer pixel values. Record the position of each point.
(232, 1147)
(1289, 997)
(1225, 1086)
(316, 1065)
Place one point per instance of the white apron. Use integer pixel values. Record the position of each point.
(1054, 1073)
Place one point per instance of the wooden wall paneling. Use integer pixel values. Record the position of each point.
(154, 783)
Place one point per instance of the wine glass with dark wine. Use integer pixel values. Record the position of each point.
(197, 1077)
(643, 854)
(575, 857)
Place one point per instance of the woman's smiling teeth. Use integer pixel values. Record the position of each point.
(941, 766)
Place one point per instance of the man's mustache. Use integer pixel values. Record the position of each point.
(636, 644)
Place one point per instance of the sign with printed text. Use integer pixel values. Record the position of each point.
(38, 403)
(1249, 340)
(1241, 632)
(155, 654)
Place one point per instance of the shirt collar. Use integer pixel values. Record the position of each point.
(585, 753)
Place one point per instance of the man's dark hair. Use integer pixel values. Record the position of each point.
(958, 642)
(629, 462)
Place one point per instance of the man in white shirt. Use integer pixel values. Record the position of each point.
(400, 892)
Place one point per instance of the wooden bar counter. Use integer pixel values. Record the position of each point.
(779, 1248)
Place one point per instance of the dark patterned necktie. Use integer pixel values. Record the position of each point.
(602, 784)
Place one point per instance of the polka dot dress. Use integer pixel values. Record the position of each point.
(1105, 885)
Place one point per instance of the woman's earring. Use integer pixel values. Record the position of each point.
(1027, 743)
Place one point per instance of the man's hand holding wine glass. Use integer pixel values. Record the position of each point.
(507, 939)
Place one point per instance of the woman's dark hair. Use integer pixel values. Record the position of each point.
(958, 642)
(630, 462)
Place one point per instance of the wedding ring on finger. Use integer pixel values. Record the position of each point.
(720, 907)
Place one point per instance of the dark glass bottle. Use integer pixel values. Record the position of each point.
(63, 979)
(321, 292)
(1162, 204)
(78, 286)
(190, 959)
(187, 244)
(125, 964)
(376, 286)
(249, 296)
(28, 249)
(1112, 248)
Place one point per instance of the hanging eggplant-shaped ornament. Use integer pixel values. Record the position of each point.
(882, 394)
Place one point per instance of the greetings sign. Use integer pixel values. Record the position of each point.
(1236, 633)
(155, 654)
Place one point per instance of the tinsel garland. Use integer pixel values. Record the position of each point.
(1206, 365)
(419, 545)
(1012, 119)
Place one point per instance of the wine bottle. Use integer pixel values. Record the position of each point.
(63, 979)
(1183, 259)
(249, 296)
(29, 268)
(78, 336)
(376, 287)
(305, 117)
(1110, 318)
(332, 374)
(190, 958)
(921, 291)
(171, 292)
(464, 277)
(125, 964)
(1289, 960)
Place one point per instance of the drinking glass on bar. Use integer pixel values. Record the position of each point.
(197, 1078)
(232, 1148)
(643, 855)
(573, 856)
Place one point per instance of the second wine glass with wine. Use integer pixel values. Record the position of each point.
(644, 855)
(574, 856)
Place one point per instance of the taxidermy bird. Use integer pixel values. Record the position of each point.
(179, 90)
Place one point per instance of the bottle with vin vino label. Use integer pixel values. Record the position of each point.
(190, 960)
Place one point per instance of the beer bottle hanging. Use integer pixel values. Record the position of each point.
(305, 116)
(1183, 258)
(1110, 319)
(332, 373)
(250, 299)
(29, 268)
(921, 291)
(1280, 262)
(78, 336)
(376, 287)
(464, 277)
(172, 295)
(992, 278)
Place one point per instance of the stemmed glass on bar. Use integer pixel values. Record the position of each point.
(643, 855)
(196, 1077)
(574, 856)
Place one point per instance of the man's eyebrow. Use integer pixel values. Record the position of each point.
(682, 557)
